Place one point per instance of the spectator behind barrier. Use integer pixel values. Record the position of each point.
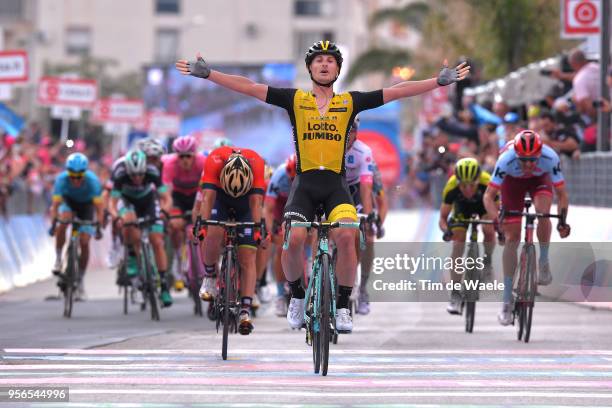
(585, 84)
(562, 139)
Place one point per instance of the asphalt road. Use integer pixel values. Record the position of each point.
(402, 354)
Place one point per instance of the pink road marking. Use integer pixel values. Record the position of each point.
(262, 367)
(305, 351)
(316, 382)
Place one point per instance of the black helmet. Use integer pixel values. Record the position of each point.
(323, 47)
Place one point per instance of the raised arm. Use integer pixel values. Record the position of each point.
(411, 88)
(237, 83)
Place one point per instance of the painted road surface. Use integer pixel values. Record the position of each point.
(402, 354)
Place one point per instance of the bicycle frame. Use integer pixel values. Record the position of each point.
(227, 304)
(315, 312)
(72, 274)
(147, 266)
(195, 274)
(526, 286)
(470, 296)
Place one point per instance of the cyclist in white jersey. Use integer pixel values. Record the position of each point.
(359, 164)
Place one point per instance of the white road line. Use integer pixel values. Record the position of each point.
(352, 394)
(306, 350)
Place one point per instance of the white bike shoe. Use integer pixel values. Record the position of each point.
(505, 315)
(208, 290)
(544, 275)
(281, 306)
(344, 321)
(295, 314)
(454, 305)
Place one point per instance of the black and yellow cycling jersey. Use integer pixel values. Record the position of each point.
(464, 208)
(320, 141)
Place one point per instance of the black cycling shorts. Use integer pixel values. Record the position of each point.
(183, 202)
(83, 211)
(319, 187)
(463, 211)
(238, 209)
(143, 208)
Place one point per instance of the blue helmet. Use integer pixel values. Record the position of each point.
(222, 141)
(77, 162)
(511, 117)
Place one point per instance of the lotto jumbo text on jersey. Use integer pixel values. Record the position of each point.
(320, 140)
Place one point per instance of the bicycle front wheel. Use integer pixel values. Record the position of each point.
(152, 293)
(325, 322)
(72, 272)
(531, 288)
(227, 296)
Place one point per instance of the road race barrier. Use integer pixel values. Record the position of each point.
(27, 251)
(589, 179)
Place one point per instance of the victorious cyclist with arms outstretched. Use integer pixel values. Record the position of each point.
(321, 121)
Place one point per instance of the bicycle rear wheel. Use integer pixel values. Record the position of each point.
(531, 288)
(70, 279)
(471, 294)
(325, 321)
(122, 278)
(194, 279)
(470, 314)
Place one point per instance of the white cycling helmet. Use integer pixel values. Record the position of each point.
(236, 176)
(152, 147)
(136, 163)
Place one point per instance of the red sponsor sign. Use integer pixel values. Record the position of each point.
(385, 154)
(14, 66)
(580, 17)
(118, 111)
(68, 92)
(168, 123)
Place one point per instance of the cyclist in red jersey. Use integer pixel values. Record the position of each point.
(233, 187)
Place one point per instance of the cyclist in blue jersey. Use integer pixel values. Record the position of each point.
(77, 192)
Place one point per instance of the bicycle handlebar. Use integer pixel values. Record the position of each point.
(324, 225)
(74, 221)
(227, 225)
(448, 234)
(141, 222)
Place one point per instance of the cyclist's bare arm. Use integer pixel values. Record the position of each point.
(489, 201)
(99, 204)
(54, 206)
(383, 206)
(165, 201)
(411, 88)
(256, 204)
(268, 211)
(365, 193)
(236, 83)
(112, 207)
(445, 210)
(208, 201)
(195, 210)
(408, 88)
(562, 198)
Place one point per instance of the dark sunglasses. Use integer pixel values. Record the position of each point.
(185, 156)
(528, 159)
(76, 175)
